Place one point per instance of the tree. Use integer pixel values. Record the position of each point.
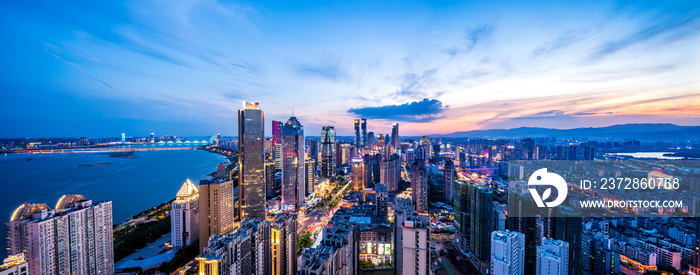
(366, 264)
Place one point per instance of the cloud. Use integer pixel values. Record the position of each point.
(82, 70)
(472, 37)
(414, 85)
(674, 29)
(562, 41)
(329, 70)
(417, 111)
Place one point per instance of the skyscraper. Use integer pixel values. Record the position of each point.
(283, 245)
(313, 150)
(481, 223)
(462, 219)
(328, 152)
(242, 252)
(552, 257)
(412, 244)
(336, 254)
(507, 253)
(395, 141)
(277, 145)
(358, 134)
(364, 133)
(215, 209)
(372, 169)
(357, 172)
(270, 190)
(370, 141)
(381, 199)
(390, 172)
(293, 164)
(448, 183)
(251, 167)
(184, 216)
(419, 186)
(310, 176)
(428, 153)
(73, 238)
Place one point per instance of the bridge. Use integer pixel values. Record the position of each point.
(103, 150)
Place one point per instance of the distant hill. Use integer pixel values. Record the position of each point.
(637, 131)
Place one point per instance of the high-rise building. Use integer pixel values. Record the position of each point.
(123, 138)
(338, 159)
(251, 167)
(328, 152)
(419, 186)
(461, 214)
(277, 145)
(215, 209)
(363, 138)
(313, 150)
(481, 222)
(283, 245)
(507, 253)
(372, 169)
(310, 176)
(427, 153)
(336, 254)
(245, 251)
(381, 199)
(395, 141)
(568, 228)
(358, 134)
(270, 190)
(293, 165)
(73, 238)
(552, 257)
(390, 172)
(358, 177)
(370, 141)
(448, 183)
(412, 243)
(15, 265)
(184, 216)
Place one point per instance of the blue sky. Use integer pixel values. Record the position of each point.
(100, 68)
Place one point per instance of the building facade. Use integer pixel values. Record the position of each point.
(184, 216)
(390, 172)
(293, 165)
(413, 244)
(251, 167)
(215, 209)
(73, 238)
(328, 152)
(507, 253)
(419, 186)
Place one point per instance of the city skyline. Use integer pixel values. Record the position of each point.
(434, 68)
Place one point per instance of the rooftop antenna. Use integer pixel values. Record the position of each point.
(292, 110)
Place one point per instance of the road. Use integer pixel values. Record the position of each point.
(318, 218)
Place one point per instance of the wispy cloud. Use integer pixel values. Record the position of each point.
(417, 111)
(666, 30)
(81, 70)
(329, 70)
(472, 37)
(564, 40)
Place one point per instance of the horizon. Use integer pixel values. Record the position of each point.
(352, 136)
(184, 69)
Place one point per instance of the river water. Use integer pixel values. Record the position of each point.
(133, 184)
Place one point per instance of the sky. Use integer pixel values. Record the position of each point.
(100, 68)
